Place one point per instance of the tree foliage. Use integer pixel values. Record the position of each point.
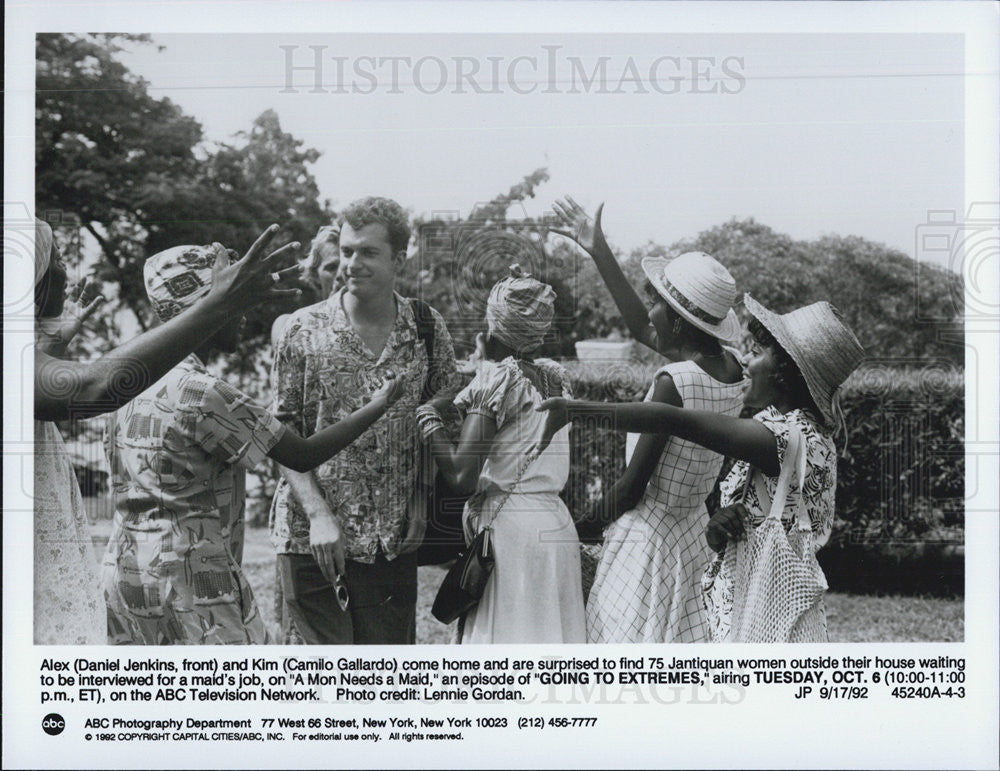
(901, 310)
(135, 172)
(457, 261)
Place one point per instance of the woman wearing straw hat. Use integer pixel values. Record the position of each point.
(799, 362)
(534, 594)
(647, 587)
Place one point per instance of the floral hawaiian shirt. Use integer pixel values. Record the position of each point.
(179, 454)
(323, 372)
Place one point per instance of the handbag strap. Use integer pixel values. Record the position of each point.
(801, 511)
(533, 454)
(793, 465)
(528, 460)
(425, 332)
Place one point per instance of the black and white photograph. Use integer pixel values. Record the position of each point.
(547, 335)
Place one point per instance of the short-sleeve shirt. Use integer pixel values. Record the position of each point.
(323, 372)
(179, 454)
(501, 392)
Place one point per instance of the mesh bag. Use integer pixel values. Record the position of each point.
(778, 584)
(590, 558)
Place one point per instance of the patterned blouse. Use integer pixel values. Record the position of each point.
(819, 489)
(179, 454)
(821, 475)
(323, 372)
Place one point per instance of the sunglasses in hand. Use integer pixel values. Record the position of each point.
(340, 590)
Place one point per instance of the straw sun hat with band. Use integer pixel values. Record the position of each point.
(822, 347)
(699, 289)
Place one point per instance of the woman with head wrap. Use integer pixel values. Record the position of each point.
(534, 594)
(178, 455)
(67, 599)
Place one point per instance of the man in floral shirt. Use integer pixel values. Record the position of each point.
(361, 515)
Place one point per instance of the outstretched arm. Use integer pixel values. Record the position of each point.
(591, 238)
(625, 494)
(739, 438)
(65, 389)
(298, 454)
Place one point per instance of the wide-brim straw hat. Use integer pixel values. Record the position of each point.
(700, 289)
(824, 349)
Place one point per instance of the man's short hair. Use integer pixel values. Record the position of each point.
(384, 211)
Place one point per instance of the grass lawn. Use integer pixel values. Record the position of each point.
(851, 618)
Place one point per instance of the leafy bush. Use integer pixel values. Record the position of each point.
(901, 477)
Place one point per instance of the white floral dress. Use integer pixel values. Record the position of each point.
(819, 489)
(648, 582)
(535, 593)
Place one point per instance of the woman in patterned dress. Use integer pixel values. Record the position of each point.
(647, 587)
(179, 454)
(799, 362)
(534, 594)
(67, 597)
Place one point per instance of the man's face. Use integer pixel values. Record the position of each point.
(367, 260)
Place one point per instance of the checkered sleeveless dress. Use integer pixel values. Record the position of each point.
(648, 582)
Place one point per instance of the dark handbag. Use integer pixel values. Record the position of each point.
(444, 539)
(465, 582)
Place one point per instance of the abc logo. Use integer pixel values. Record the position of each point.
(53, 724)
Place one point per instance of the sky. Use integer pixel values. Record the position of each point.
(810, 134)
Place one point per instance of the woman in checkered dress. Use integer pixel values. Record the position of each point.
(648, 583)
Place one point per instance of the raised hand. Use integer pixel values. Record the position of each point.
(254, 278)
(590, 236)
(578, 226)
(557, 418)
(81, 302)
(479, 354)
